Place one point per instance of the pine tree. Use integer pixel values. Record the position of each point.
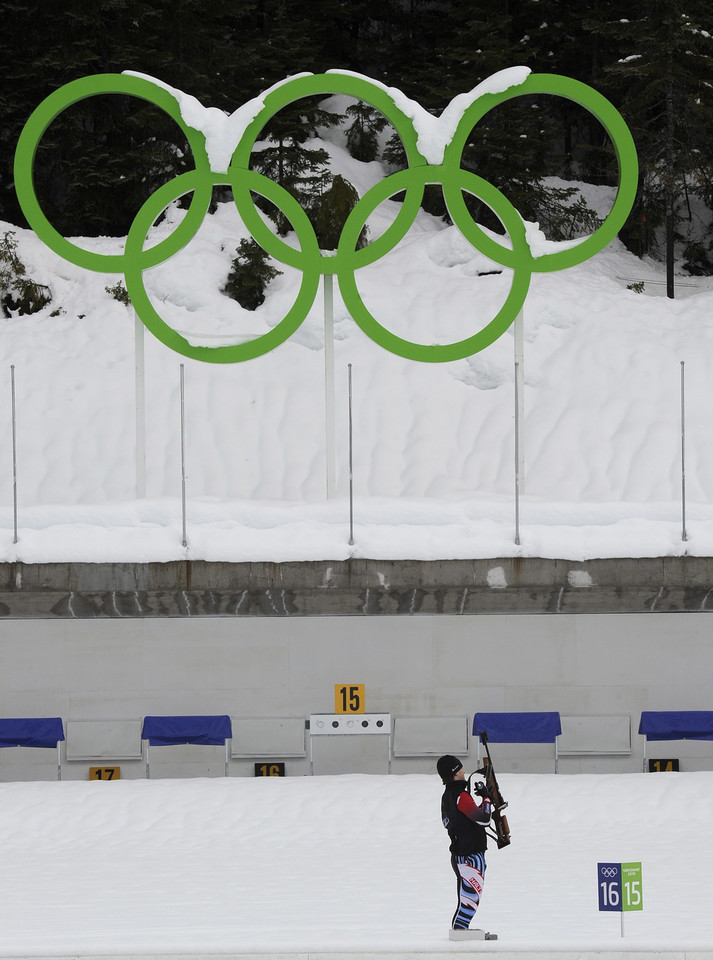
(412, 44)
(517, 145)
(363, 132)
(250, 273)
(101, 158)
(288, 160)
(18, 292)
(331, 214)
(662, 84)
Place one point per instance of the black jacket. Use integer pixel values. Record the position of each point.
(466, 835)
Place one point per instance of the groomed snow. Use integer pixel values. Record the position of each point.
(343, 863)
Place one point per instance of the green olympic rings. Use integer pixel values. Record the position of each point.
(404, 117)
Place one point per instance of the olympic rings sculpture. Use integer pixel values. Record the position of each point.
(200, 181)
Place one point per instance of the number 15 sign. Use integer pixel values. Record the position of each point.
(620, 886)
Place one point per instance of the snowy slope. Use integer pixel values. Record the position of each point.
(433, 443)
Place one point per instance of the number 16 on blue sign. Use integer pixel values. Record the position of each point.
(620, 886)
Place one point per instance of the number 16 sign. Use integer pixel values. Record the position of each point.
(620, 887)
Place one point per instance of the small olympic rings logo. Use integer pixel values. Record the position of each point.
(609, 872)
(423, 168)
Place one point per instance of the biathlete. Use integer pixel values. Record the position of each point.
(465, 818)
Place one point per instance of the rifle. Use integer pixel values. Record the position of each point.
(500, 821)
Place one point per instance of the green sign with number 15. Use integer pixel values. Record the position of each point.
(632, 896)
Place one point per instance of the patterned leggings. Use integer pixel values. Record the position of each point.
(470, 873)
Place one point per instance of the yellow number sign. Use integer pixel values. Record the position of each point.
(349, 698)
(105, 773)
(270, 769)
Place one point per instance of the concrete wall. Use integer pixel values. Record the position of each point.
(412, 666)
(356, 587)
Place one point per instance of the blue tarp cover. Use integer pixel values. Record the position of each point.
(169, 731)
(677, 724)
(518, 727)
(31, 732)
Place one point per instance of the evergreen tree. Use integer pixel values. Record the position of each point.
(288, 159)
(77, 156)
(663, 87)
(103, 156)
(517, 145)
(411, 48)
(331, 214)
(250, 273)
(18, 291)
(363, 132)
(555, 41)
(472, 42)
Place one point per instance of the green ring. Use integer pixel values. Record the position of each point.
(42, 117)
(318, 85)
(232, 353)
(433, 353)
(616, 128)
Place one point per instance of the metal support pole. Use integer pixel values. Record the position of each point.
(684, 535)
(140, 406)
(351, 463)
(184, 540)
(330, 445)
(14, 454)
(519, 338)
(517, 455)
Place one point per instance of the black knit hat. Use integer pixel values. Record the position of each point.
(448, 767)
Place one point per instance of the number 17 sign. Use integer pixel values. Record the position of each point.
(620, 886)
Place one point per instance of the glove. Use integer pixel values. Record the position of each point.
(480, 790)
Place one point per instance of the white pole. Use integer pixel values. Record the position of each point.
(684, 535)
(14, 454)
(140, 406)
(184, 541)
(329, 383)
(351, 464)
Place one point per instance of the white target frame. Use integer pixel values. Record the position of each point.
(349, 724)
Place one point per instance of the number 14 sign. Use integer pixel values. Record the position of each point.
(620, 886)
